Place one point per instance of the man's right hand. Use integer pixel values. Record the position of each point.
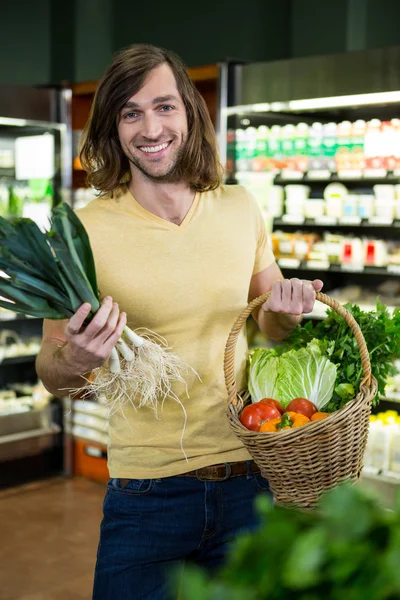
(89, 347)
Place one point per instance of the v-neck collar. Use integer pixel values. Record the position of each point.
(149, 216)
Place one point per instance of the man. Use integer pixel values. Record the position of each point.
(182, 255)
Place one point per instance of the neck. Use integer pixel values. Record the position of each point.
(170, 201)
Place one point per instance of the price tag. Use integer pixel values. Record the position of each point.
(320, 174)
(325, 220)
(289, 263)
(318, 265)
(350, 174)
(395, 269)
(295, 220)
(380, 221)
(350, 220)
(292, 174)
(352, 267)
(375, 173)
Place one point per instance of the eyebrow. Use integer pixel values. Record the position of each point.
(158, 100)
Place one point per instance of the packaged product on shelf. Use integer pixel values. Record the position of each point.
(350, 205)
(329, 147)
(261, 162)
(251, 147)
(366, 206)
(314, 208)
(389, 141)
(287, 147)
(274, 147)
(344, 146)
(352, 251)
(333, 244)
(296, 196)
(379, 447)
(315, 147)
(301, 148)
(396, 142)
(334, 194)
(394, 459)
(241, 150)
(275, 201)
(357, 155)
(375, 253)
(373, 145)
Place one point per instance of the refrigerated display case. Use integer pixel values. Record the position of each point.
(317, 141)
(35, 174)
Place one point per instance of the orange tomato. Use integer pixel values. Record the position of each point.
(319, 415)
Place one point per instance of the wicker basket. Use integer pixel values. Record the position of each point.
(302, 463)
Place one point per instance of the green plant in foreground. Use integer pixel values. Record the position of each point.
(347, 550)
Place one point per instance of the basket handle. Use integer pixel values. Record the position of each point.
(229, 357)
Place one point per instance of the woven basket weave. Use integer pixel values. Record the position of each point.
(302, 463)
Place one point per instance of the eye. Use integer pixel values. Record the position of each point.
(130, 115)
(166, 108)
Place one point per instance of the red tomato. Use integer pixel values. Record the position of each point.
(254, 415)
(302, 406)
(277, 404)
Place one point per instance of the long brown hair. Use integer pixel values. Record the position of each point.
(101, 154)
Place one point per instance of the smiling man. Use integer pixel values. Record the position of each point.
(180, 253)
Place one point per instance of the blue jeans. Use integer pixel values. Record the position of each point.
(152, 526)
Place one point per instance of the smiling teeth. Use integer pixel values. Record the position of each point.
(153, 148)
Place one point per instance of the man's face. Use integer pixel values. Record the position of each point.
(153, 127)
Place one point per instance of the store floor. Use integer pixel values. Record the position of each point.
(49, 533)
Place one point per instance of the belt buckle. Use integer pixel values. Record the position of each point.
(228, 473)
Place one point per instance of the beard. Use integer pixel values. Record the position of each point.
(172, 173)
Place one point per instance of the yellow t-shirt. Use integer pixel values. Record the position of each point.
(187, 283)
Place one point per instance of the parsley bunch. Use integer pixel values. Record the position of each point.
(382, 336)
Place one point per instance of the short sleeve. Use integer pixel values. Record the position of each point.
(264, 256)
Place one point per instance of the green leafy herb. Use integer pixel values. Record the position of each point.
(382, 336)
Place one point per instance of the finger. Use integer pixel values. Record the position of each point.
(113, 339)
(100, 319)
(309, 296)
(76, 322)
(317, 285)
(274, 302)
(297, 296)
(110, 324)
(286, 295)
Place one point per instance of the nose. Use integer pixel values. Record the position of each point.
(152, 126)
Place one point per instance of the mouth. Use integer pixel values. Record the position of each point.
(155, 150)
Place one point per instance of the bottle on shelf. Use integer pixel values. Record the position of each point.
(329, 147)
(315, 147)
(301, 148)
(344, 146)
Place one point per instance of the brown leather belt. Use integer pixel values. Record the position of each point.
(223, 471)
(220, 472)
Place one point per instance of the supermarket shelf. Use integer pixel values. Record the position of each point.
(17, 360)
(382, 476)
(392, 397)
(4, 318)
(33, 433)
(369, 177)
(303, 265)
(376, 223)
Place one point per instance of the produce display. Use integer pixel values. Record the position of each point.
(318, 369)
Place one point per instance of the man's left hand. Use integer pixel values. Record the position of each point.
(293, 296)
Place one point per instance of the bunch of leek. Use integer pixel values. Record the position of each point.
(50, 275)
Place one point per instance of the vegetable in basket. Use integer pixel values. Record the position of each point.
(381, 332)
(50, 275)
(304, 373)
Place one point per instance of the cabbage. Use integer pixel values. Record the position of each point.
(305, 373)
